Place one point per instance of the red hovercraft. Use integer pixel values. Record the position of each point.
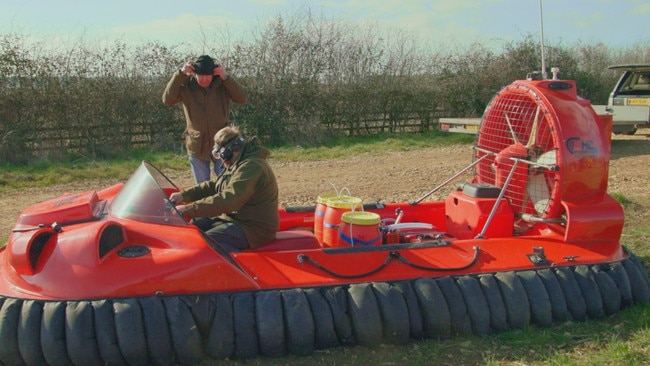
(117, 276)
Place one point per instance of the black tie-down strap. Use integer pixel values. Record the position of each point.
(391, 255)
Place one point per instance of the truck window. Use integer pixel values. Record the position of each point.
(635, 84)
(642, 83)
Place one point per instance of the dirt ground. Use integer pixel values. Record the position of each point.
(393, 176)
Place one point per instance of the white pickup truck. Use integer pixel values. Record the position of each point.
(629, 104)
(629, 101)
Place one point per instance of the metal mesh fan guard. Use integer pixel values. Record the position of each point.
(518, 135)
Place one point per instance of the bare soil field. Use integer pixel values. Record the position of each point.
(393, 176)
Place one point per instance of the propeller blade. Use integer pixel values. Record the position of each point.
(548, 158)
(538, 191)
(537, 187)
(512, 131)
(533, 133)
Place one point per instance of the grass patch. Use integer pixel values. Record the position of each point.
(621, 339)
(372, 144)
(44, 173)
(624, 201)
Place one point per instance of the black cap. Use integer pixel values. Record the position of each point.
(204, 65)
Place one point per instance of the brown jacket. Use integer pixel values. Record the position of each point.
(246, 193)
(206, 110)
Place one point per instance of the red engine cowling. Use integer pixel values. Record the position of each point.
(549, 150)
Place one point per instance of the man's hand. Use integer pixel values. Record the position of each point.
(220, 72)
(176, 197)
(181, 209)
(188, 68)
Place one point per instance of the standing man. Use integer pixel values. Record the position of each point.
(205, 90)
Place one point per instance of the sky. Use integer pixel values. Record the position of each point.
(458, 23)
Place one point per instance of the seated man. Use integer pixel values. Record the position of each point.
(239, 208)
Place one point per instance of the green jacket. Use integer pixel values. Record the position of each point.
(246, 193)
(206, 110)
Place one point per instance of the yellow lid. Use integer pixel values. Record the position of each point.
(324, 197)
(361, 218)
(344, 202)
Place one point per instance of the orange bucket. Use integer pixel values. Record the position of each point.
(336, 207)
(359, 228)
(319, 214)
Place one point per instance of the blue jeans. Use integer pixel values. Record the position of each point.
(226, 233)
(201, 169)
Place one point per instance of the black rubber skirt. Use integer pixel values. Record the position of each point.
(170, 330)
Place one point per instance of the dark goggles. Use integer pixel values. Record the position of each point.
(225, 152)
